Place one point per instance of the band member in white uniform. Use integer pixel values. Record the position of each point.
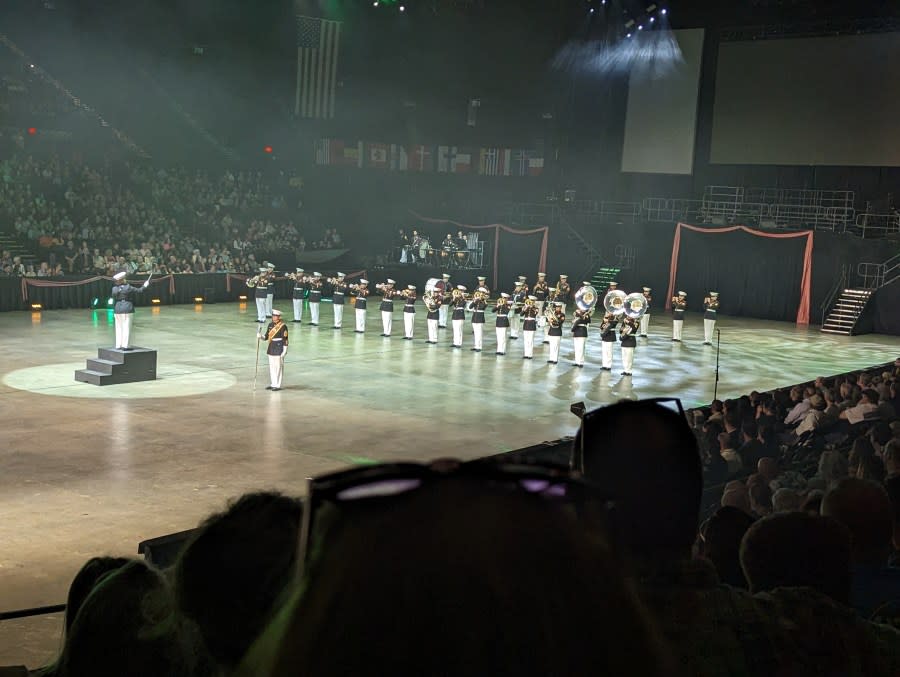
(645, 318)
(270, 290)
(338, 296)
(387, 306)
(445, 302)
(529, 325)
(628, 337)
(540, 292)
(299, 293)
(679, 304)
(260, 289)
(607, 340)
(277, 336)
(315, 298)
(434, 303)
(477, 306)
(580, 323)
(502, 309)
(520, 291)
(123, 312)
(458, 301)
(554, 331)
(360, 306)
(409, 311)
(562, 291)
(710, 306)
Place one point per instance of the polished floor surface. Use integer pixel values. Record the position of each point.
(87, 470)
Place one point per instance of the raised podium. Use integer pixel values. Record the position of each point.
(115, 365)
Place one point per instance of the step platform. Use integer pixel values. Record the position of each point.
(115, 365)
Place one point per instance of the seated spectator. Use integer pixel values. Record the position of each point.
(867, 409)
(814, 418)
(777, 479)
(230, 577)
(865, 509)
(832, 410)
(400, 585)
(657, 487)
(730, 454)
(760, 495)
(864, 463)
(128, 625)
(736, 495)
(890, 456)
(787, 500)
(832, 469)
(796, 550)
(813, 502)
(751, 449)
(720, 543)
(800, 400)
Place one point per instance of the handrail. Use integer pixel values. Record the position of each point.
(841, 283)
(33, 611)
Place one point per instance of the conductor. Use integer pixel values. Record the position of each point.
(123, 312)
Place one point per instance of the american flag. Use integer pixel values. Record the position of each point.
(318, 42)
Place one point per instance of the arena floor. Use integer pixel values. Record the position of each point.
(87, 470)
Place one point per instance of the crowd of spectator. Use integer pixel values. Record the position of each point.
(481, 568)
(80, 218)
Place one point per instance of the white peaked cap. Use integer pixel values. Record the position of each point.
(317, 274)
(410, 286)
(461, 287)
(713, 293)
(276, 312)
(120, 275)
(646, 288)
(300, 270)
(682, 293)
(340, 275)
(533, 298)
(504, 294)
(266, 270)
(483, 290)
(389, 281)
(364, 282)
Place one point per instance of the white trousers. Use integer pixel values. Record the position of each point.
(501, 339)
(478, 332)
(709, 327)
(606, 354)
(123, 329)
(677, 326)
(403, 254)
(442, 315)
(528, 340)
(314, 312)
(269, 299)
(409, 321)
(360, 319)
(627, 359)
(260, 310)
(387, 321)
(432, 330)
(579, 342)
(541, 320)
(457, 332)
(298, 309)
(554, 348)
(276, 370)
(645, 324)
(338, 314)
(514, 323)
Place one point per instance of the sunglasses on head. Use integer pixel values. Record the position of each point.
(373, 485)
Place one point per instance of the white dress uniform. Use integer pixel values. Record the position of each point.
(529, 327)
(711, 305)
(338, 297)
(277, 336)
(360, 307)
(315, 298)
(409, 312)
(554, 335)
(645, 318)
(123, 312)
(443, 311)
(260, 293)
(679, 303)
(478, 308)
(458, 319)
(270, 291)
(503, 310)
(298, 295)
(607, 341)
(387, 307)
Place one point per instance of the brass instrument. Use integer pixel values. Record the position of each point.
(586, 299)
(609, 319)
(636, 305)
(614, 301)
(629, 324)
(432, 302)
(252, 282)
(679, 302)
(334, 280)
(552, 316)
(712, 302)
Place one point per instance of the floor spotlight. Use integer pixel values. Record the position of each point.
(155, 302)
(198, 299)
(242, 297)
(37, 306)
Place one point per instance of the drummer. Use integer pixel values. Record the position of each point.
(447, 248)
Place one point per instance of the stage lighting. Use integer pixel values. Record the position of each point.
(110, 302)
(664, 11)
(95, 302)
(36, 306)
(268, 150)
(375, 4)
(402, 8)
(652, 19)
(32, 131)
(640, 27)
(628, 36)
(155, 302)
(198, 299)
(592, 10)
(242, 297)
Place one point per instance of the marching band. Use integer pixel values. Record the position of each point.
(626, 317)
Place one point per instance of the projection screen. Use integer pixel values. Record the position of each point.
(808, 101)
(661, 119)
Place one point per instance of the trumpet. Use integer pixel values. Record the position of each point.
(431, 301)
(711, 303)
(334, 280)
(554, 318)
(252, 282)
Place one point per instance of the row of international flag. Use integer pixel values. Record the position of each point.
(422, 158)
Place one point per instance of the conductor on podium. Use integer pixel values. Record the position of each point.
(123, 312)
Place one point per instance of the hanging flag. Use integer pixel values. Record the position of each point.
(519, 166)
(535, 163)
(323, 151)
(352, 155)
(461, 162)
(318, 44)
(421, 159)
(399, 159)
(446, 158)
(378, 155)
(495, 161)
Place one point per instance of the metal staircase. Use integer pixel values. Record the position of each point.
(844, 315)
(603, 277)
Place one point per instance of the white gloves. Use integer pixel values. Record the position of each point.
(146, 283)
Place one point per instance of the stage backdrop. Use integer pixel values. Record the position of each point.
(757, 273)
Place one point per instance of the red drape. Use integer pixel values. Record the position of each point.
(805, 281)
(37, 282)
(497, 227)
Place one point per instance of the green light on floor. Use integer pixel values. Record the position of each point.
(359, 460)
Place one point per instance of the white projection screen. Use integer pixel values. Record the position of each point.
(809, 101)
(661, 119)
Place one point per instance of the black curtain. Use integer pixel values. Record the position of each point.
(755, 276)
(518, 255)
(887, 303)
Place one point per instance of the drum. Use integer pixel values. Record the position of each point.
(435, 285)
(445, 255)
(423, 248)
(461, 256)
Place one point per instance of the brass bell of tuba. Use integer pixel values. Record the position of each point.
(614, 301)
(586, 298)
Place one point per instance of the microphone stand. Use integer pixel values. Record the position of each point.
(718, 345)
